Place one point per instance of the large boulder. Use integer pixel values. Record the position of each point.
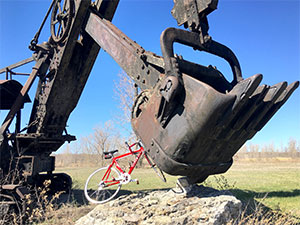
(200, 205)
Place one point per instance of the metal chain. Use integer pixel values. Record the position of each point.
(34, 41)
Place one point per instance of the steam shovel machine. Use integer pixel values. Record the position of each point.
(190, 119)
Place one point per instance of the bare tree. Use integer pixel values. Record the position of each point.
(103, 139)
(292, 148)
(125, 93)
(253, 150)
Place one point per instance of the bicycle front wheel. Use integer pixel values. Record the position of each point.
(102, 185)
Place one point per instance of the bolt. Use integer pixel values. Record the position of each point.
(143, 57)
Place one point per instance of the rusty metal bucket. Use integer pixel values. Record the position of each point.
(207, 126)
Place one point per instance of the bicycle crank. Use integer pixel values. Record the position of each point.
(125, 178)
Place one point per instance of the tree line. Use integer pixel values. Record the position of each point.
(267, 151)
(88, 151)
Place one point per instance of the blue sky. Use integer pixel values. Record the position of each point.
(264, 35)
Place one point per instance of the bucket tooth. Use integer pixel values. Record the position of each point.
(233, 131)
(272, 95)
(265, 106)
(278, 103)
(242, 116)
(259, 104)
(245, 133)
(250, 107)
(243, 90)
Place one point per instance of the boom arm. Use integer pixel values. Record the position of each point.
(69, 71)
(63, 77)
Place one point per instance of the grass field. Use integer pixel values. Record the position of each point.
(275, 185)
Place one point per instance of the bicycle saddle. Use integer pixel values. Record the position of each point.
(110, 154)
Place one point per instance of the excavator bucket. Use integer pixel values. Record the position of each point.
(207, 127)
(196, 132)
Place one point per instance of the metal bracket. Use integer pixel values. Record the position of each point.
(193, 14)
(169, 89)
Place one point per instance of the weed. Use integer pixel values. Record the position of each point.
(220, 183)
(44, 206)
(262, 216)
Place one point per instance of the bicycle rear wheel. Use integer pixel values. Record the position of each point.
(157, 170)
(102, 185)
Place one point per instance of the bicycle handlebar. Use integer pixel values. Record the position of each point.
(130, 146)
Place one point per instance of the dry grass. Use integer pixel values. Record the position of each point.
(259, 215)
(66, 214)
(58, 208)
(44, 207)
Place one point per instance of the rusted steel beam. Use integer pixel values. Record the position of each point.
(76, 61)
(144, 67)
(16, 65)
(128, 54)
(58, 90)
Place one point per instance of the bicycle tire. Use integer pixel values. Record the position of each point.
(96, 189)
(156, 169)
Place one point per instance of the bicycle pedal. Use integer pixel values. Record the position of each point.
(135, 180)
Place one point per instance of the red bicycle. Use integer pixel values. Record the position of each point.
(104, 183)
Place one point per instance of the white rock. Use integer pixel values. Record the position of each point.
(201, 205)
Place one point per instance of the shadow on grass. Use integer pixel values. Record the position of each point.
(246, 194)
(251, 205)
(76, 196)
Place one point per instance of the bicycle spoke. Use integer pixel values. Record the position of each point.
(106, 189)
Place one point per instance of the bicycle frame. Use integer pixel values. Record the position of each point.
(109, 184)
(140, 152)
